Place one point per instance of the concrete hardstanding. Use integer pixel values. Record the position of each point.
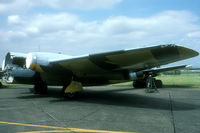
(101, 108)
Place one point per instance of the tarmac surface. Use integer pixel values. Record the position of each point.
(103, 109)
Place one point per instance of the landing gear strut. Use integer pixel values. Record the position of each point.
(153, 84)
(40, 87)
(1, 85)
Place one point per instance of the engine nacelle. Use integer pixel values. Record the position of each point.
(13, 68)
(13, 59)
(136, 75)
(36, 60)
(18, 75)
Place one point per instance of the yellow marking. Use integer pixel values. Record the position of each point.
(36, 67)
(62, 129)
(95, 131)
(76, 130)
(74, 86)
(31, 125)
(55, 131)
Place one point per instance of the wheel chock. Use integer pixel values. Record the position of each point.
(74, 86)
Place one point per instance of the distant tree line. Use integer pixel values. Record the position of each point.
(173, 72)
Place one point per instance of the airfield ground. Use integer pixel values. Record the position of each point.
(188, 80)
(100, 109)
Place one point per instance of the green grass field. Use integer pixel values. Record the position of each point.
(184, 80)
(5, 84)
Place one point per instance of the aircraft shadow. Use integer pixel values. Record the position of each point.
(134, 100)
(55, 93)
(115, 98)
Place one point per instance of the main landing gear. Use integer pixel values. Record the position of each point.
(150, 83)
(40, 87)
(1, 85)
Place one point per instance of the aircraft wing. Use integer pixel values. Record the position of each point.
(160, 70)
(133, 59)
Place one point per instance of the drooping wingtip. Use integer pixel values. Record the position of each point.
(196, 53)
(187, 52)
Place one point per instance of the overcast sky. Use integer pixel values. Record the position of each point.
(77, 27)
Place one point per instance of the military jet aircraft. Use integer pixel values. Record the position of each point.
(73, 72)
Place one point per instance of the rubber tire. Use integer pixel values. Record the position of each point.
(1, 85)
(139, 84)
(158, 83)
(40, 88)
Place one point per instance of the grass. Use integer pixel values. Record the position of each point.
(7, 85)
(183, 80)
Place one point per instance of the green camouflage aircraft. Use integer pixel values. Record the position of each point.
(73, 72)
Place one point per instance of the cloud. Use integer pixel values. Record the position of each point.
(47, 23)
(195, 34)
(81, 4)
(168, 25)
(166, 22)
(14, 19)
(67, 33)
(14, 6)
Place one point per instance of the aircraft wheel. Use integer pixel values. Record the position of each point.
(158, 83)
(1, 85)
(40, 88)
(70, 95)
